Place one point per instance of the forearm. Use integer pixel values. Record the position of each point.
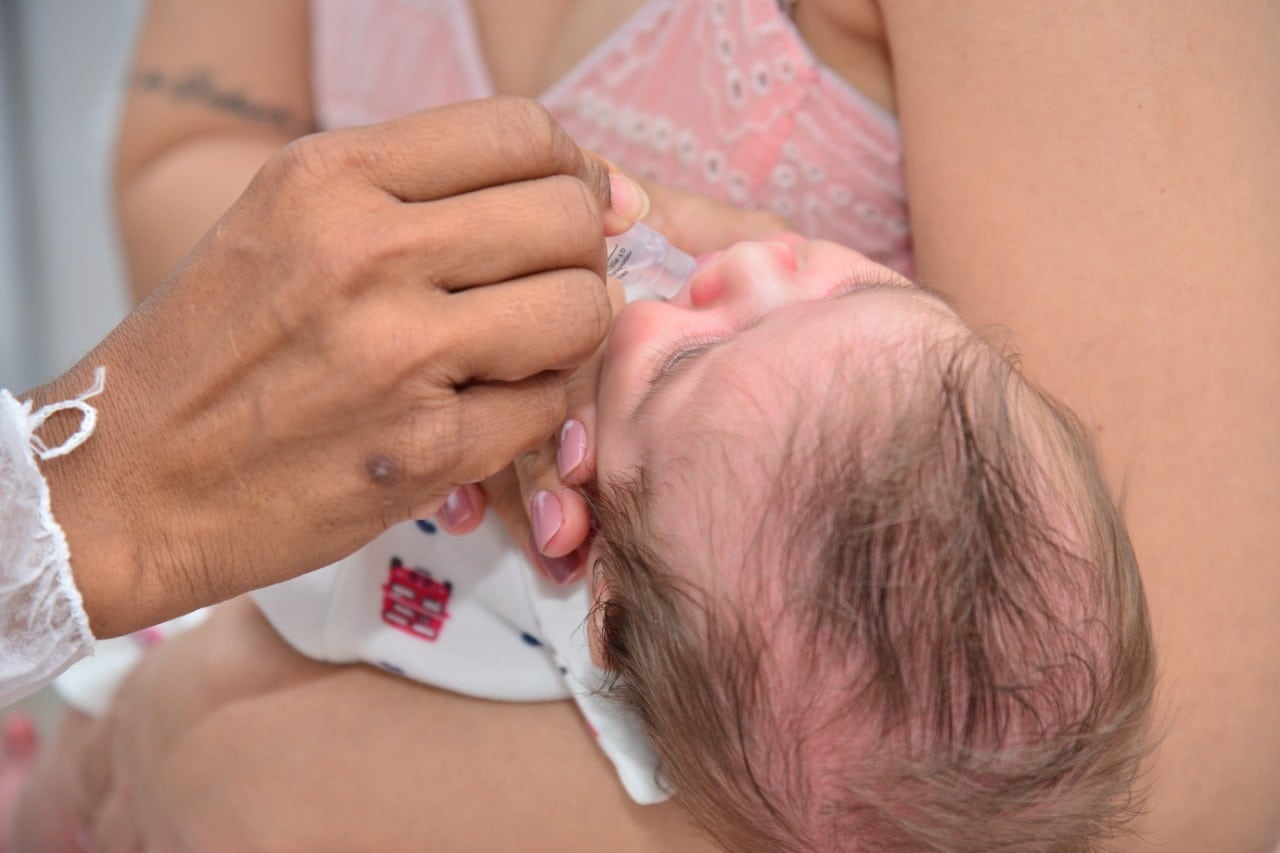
(165, 207)
(214, 90)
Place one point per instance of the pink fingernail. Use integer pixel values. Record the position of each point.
(546, 517)
(572, 448)
(559, 570)
(456, 508)
(627, 198)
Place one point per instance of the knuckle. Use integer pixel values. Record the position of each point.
(588, 312)
(585, 203)
(576, 207)
(333, 240)
(533, 114)
(309, 158)
(342, 258)
(420, 449)
(543, 409)
(548, 149)
(581, 307)
(380, 245)
(595, 180)
(436, 443)
(581, 385)
(356, 252)
(549, 407)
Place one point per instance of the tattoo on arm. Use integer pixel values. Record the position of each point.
(200, 86)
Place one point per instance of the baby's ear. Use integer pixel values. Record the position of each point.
(600, 596)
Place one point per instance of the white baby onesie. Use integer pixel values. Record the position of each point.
(463, 613)
(468, 614)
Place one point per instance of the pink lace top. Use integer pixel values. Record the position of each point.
(717, 96)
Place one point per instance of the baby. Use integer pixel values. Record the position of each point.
(855, 583)
(863, 584)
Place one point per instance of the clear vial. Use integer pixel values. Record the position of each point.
(642, 257)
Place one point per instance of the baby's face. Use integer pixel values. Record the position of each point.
(701, 392)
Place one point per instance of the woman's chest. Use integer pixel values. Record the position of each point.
(726, 98)
(528, 47)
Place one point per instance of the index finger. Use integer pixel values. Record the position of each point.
(471, 145)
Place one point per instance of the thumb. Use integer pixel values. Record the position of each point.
(628, 201)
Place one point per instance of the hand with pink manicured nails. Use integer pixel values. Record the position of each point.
(463, 510)
(564, 513)
(537, 498)
(553, 517)
(551, 523)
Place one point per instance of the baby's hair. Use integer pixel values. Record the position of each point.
(951, 650)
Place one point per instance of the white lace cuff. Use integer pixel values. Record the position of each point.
(43, 626)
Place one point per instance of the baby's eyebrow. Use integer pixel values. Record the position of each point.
(932, 293)
(856, 284)
(857, 281)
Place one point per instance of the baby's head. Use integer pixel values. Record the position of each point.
(863, 584)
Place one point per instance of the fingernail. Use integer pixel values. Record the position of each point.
(559, 570)
(545, 514)
(572, 447)
(627, 198)
(456, 508)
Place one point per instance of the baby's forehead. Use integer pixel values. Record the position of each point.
(770, 415)
(853, 354)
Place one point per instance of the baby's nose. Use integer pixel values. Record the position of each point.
(757, 276)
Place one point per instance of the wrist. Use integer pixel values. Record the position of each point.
(86, 502)
(102, 562)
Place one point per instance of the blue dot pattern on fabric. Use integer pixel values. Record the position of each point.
(426, 526)
(530, 640)
(390, 667)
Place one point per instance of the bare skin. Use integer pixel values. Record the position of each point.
(1111, 224)
(1069, 177)
(476, 776)
(208, 422)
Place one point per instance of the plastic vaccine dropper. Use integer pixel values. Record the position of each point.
(641, 256)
